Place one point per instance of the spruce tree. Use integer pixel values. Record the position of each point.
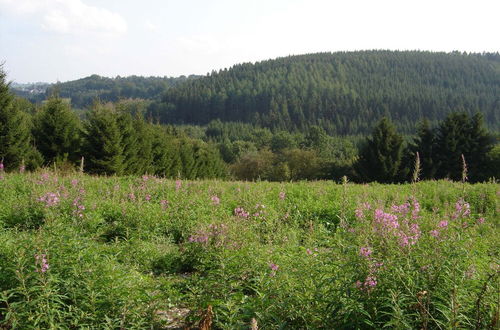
(144, 134)
(425, 144)
(57, 131)
(103, 148)
(15, 136)
(130, 144)
(380, 157)
(482, 144)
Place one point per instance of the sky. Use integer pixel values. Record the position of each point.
(60, 40)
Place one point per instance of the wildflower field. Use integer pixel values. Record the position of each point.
(78, 251)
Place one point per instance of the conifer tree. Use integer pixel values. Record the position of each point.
(130, 144)
(103, 149)
(15, 136)
(145, 142)
(425, 144)
(460, 135)
(380, 157)
(57, 131)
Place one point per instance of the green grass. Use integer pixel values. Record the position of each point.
(127, 252)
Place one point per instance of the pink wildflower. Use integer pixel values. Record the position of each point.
(240, 212)
(274, 269)
(282, 195)
(434, 233)
(178, 184)
(215, 200)
(147, 197)
(480, 220)
(41, 263)
(359, 213)
(50, 199)
(365, 251)
(443, 224)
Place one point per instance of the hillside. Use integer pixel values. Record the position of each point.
(82, 92)
(343, 92)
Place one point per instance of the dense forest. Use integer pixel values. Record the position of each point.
(370, 116)
(83, 92)
(344, 92)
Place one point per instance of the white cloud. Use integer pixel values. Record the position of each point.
(68, 16)
(151, 26)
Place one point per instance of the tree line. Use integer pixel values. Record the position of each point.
(83, 92)
(341, 92)
(114, 138)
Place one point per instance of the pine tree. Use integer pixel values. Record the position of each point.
(482, 144)
(15, 136)
(130, 144)
(144, 134)
(57, 131)
(103, 149)
(453, 141)
(380, 157)
(425, 145)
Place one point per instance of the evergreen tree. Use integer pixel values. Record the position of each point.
(130, 144)
(15, 136)
(144, 163)
(425, 145)
(57, 131)
(103, 149)
(380, 157)
(481, 145)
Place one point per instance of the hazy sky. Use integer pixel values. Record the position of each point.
(50, 40)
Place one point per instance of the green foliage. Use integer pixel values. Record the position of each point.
(83, 92)
(136, 253)
(57, 131)
(103, 149)
(15, 137)
(342, 92)
(460, 135)
(380, 158)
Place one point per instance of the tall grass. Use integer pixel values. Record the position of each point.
(122, 252)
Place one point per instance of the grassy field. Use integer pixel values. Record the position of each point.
(85, 252)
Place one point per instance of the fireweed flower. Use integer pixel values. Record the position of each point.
(50, 199)
(480, 220)
(41, 263)
(215, 200)
(370, 281)
(443, 224)
(434, 233)
(147, 197)
(365, 251)
(274, 269)
(178, 184)
(240, 212)
(282, 195)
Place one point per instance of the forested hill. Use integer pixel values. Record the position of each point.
(343, 92)
(83, 92)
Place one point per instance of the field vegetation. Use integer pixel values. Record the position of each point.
(79, 251)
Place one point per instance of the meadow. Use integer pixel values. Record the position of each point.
(78, 251)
